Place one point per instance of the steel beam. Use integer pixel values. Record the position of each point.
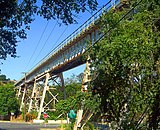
(22, 101)
(41, 109)
(19, 92)
(62, 85)
(32, 96)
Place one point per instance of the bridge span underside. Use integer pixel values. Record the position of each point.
(68, 65)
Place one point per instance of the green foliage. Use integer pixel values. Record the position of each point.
(16, 17)
(64, 106)
(30, 116)
(71, 89)
(8, 100)
(88, 126)
(127, 64)
(74, 79)
(75, 102)
(53, 115)
(2, 77)
(68, 126)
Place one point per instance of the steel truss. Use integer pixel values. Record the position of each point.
(39, 95)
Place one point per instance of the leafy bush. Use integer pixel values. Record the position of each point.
(8, 100)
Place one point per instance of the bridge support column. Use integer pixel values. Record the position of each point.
(41, 109)
(85, 84)
(62, 85)
(32, 96)
(43, 98)
(22, 101)
(19, 92)
(86, 78)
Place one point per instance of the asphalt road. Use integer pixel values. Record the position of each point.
(24, 126)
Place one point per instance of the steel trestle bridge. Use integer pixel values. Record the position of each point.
(34, 86)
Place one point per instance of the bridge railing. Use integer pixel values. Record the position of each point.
(76, 33)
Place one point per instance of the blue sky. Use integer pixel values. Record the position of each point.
(53, 35)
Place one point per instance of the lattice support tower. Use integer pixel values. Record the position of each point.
(85, 83)
(42, 98)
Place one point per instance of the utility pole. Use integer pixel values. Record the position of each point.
(25, 90)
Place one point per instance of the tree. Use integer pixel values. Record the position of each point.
(127, 64)
(3, 78)
(16, 16)
(8, 100)
(74, 79)
(80, 77)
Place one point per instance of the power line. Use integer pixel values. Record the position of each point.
(58, 39)
(52, 49)
(37, 45)
(45, 42)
